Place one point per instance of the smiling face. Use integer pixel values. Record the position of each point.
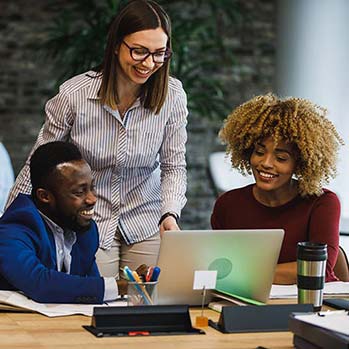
(273, 166)
(135, 72)
(71, 197)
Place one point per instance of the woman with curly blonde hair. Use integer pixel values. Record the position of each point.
(291, 149)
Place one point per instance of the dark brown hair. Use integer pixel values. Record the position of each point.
(135, 16)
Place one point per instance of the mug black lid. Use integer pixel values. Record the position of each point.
(311, 251)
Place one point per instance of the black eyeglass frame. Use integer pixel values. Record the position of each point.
(167, 53)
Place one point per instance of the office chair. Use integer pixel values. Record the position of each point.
(341, 268)
(223, 176)
(6, 176)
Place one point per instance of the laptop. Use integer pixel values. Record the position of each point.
(245, 261)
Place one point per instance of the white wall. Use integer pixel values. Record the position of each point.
(312, 63)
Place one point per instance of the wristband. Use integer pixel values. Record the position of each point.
(168, 214)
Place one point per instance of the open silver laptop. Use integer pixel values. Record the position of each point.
(245, 261)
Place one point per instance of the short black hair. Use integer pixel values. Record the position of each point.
(45, 159)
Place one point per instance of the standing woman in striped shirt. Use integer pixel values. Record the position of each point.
(128, 118)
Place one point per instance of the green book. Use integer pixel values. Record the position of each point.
(234, 298)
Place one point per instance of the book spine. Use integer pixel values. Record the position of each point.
(301, 343)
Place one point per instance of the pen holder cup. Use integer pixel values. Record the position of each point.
(142, 293)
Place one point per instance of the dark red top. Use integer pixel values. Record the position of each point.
(313, 219)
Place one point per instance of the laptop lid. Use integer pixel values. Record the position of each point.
(245, 261)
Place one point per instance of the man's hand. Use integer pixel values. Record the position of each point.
(142, 271)
(123, 283)
(169, 223)
(122, 286)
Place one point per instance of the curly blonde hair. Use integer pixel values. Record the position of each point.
(293, 120)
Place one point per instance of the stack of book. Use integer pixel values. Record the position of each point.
(221, 299)
(320, 330)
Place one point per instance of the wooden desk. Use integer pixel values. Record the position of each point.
(35, 331)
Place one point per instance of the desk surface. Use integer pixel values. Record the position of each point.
(29, 330)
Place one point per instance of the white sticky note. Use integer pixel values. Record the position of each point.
(204, 279)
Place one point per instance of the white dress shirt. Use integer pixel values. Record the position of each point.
(64, 241)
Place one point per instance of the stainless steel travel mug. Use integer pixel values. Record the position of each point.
(311, 267)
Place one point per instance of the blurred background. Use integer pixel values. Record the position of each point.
(225, 52)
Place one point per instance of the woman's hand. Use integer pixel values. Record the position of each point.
(169, 223)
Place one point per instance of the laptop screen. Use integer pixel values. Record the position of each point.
(245, 261)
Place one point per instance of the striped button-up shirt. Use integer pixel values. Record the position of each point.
(138, 161)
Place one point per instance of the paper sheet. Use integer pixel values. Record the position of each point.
(19, 300)
(204, 279)
(290, 291)
(337, 321)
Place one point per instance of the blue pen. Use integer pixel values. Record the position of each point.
(125, 274)
(156, 273)
(128, 274)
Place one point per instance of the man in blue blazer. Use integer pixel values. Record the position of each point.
(48, 240)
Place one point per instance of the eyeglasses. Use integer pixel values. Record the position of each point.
(140, 54)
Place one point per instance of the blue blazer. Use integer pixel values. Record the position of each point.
(28, 259)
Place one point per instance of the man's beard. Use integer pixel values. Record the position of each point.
(73, 224)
